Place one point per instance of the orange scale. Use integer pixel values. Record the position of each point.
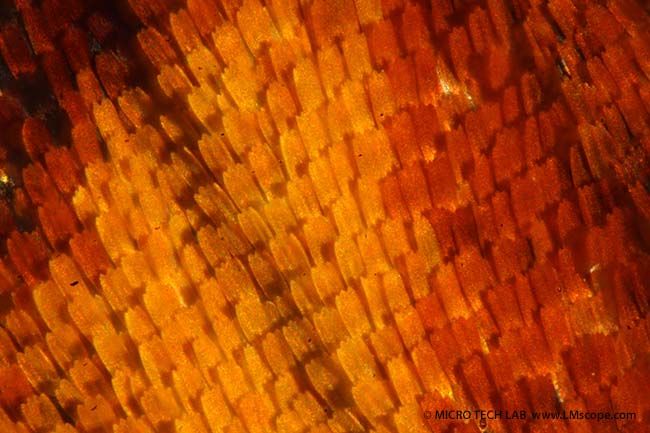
(486, 325)
(401, 74)
(631, 338)
(547, 131)
(461, 50)
(184, 31)
(480, 30)
(504, 306)
(590, 205)
(231, 7)
(368, 11)
(414, 189)
(441, 222)
(426, 124)
(515, 398)
(9, 279)
(381, 98)
(511, 257)
(432, 402)
(565, 14)
(602, 78)
(541, 387)
(552, 179)
(545, 284)
(333, 19)
(440, 17)
(525, 298)
(75, 46)
(640, 198)
(7, 223)
(478, 381)
(15, 388)
(596, 251)
(617, 236)
(571, 59)
(59, 13)
(63, 168)
(382, 43)
(582, 363)
(38, 183)
(390, 7)
(531, 93)
(37, 31)
(501, 371)
(482, 179)
(490, 117)
(205, 15)
(393, 199)
(460, 152)
(89, 88)
(444, 343)
(640, 271)
(156, 48)
(414, 30)
(639, 42)
(58, 221)
(602, 24)
(501, 18)
(90, 254)
(608, 365)
(510, 104)
(441, 180)
(560, 113)
(467, 332)
(633, 111)
(644, 93)
(618, 59)
(478, 135)
(575, 285)
(57, 73)
(418, 271)
(36, 138)
(112, 72)
(600, 401)
(29, 254)
(526, 200)
(507, 156)
(486, 228)
(75, 107)
(475, 275)
(145, 11)
(431, 312)
(557, 329)
(580, 175)
(503, 217)
(86, 143)
(401, 133)
(568, 220)
(536, 350)
(464, 228)
(447, 285)
(99, 26)
(540, 239)
(427, 75)
(16, 51)
(499, 64)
